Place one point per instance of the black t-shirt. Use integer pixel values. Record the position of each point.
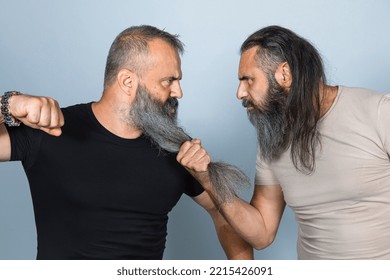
(96, 195)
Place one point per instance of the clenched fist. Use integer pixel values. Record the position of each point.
(41, 113)
(194, 158)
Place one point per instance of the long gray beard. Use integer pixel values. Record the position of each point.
(270, 123)
(159, 122)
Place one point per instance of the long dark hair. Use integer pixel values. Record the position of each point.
(276, 45)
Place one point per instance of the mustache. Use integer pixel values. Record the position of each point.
(171, 105)
(247, 103)
(158, 123)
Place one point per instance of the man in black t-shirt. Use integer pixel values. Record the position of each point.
(101, 188)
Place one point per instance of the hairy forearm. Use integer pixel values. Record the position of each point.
(244, 218)
(248, 222)
(233, 245)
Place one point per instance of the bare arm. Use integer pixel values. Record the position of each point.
(37, 112)
(195, 159)
(5, 145)
(256, 222)
(234, 246)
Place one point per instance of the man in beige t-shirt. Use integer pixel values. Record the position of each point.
(343, 206)
(323, 151)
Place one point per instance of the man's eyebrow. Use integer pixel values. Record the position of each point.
(174, 78)
(243, 78)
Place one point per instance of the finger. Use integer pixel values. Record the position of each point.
(61, 117)
(195, 153)
(186, 152)
(33, 115)
(194, 157)
(45, 116)
(196, 141)
(52, 131)
(183, 150)
(57, 118)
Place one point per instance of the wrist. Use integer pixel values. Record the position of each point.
(204, 179)
(6, 115)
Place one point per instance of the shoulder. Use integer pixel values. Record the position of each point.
(360, 94)
(77, 112)
(361, 99)
(77, 109)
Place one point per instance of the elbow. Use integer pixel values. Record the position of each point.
(263, 243)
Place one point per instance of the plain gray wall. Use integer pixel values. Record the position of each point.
(58, 49)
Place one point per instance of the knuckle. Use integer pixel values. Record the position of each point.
(179, 158)
(187, 162)
(185, 145)
(43, 100)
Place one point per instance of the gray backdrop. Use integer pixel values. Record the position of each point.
(58, 49)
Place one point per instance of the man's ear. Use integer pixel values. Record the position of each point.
(127, 81)
(283, 75)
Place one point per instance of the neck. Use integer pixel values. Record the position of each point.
(113, 116)
(328, 95)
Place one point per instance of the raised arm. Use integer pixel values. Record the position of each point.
(5, 145)
(256, 222)
(233, 245)
(37, 112)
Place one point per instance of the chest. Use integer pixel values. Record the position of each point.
(92, 172)
(351, 166)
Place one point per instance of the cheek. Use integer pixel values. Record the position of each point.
(257, 96)
(158, 94)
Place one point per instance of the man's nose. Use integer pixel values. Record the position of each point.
(241, 91)
(176, 90)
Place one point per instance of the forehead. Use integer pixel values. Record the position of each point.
(248, 60)
(163, 56)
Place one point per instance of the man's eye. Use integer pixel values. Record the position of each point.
(168, 82)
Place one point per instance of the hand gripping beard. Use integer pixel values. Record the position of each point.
(159, 122)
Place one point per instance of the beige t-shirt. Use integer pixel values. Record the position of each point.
(343, 208)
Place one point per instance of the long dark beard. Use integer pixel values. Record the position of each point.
(159, 122)
(270, 122)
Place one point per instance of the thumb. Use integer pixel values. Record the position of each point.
(52, 131)
(196, 141)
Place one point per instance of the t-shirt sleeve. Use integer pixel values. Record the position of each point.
(194, 188)
(264, 174)
(24, 143)
(384, 122)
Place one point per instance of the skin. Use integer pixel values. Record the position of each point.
(162, 78)
(37, 112)
(253, 82)
(257, 222)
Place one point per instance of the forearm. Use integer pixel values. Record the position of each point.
(5, 144)
(1, 115)
(233, 245)
(245, 219)
(5, 119)
(248, 222)
(257, 222)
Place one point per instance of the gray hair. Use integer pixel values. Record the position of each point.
(160, 124)
(130, 50)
